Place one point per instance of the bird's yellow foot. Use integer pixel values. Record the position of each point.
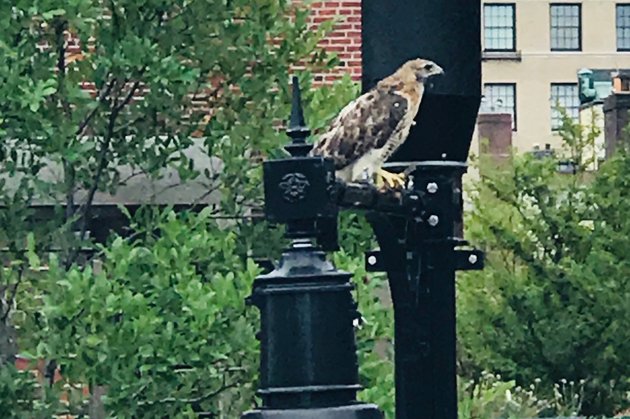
(387, 180)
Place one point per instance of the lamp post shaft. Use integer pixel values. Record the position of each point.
(308, 360)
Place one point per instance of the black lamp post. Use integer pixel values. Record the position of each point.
(308, 361)
(420, 254)
(308, 366)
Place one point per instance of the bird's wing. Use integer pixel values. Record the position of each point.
(364, 124)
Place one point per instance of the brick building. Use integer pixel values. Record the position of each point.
(345, 40)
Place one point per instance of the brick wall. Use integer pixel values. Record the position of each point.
(345, 40)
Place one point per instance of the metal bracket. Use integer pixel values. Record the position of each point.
(465, 260)
(374, 261)
(469, 260)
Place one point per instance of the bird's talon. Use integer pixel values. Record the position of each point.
(386, 180)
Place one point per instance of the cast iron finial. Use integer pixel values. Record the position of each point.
(297, 129)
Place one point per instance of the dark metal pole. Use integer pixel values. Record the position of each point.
(421, 256)
(419, 253)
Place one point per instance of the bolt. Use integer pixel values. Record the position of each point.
(372, 260)
(432, 187)
(433, 220)
(472, 259)
(424, 348)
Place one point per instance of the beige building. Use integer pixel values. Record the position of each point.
(532, 51)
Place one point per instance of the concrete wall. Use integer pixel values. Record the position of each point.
(138, 188)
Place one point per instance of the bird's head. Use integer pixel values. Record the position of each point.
(422, 69)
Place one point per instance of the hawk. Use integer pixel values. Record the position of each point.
(369, 129)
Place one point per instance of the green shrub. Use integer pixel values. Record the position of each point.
(553, 300)
(23, 397)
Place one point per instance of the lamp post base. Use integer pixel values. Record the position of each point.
(358, 411)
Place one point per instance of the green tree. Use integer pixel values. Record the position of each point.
(160, 320)
(96, 93)
(552, 300)
(375, 336)
(21, 396)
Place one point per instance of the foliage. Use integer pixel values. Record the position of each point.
(375, 334)
(483, 398)
(21, 396)
(161, 321)
(568, 397)
(166, 77)
(552, 301)
(156, 69)
(155, 317)
(490, 398)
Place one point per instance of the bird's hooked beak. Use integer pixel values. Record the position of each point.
(435, 71)
(426, 73)
(427, 77)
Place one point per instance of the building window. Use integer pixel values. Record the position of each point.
(499, 27)
(566, 27)
(564, 95)
(623, 27)
(500, 98)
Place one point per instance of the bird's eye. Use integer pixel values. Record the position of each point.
(428, 67)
